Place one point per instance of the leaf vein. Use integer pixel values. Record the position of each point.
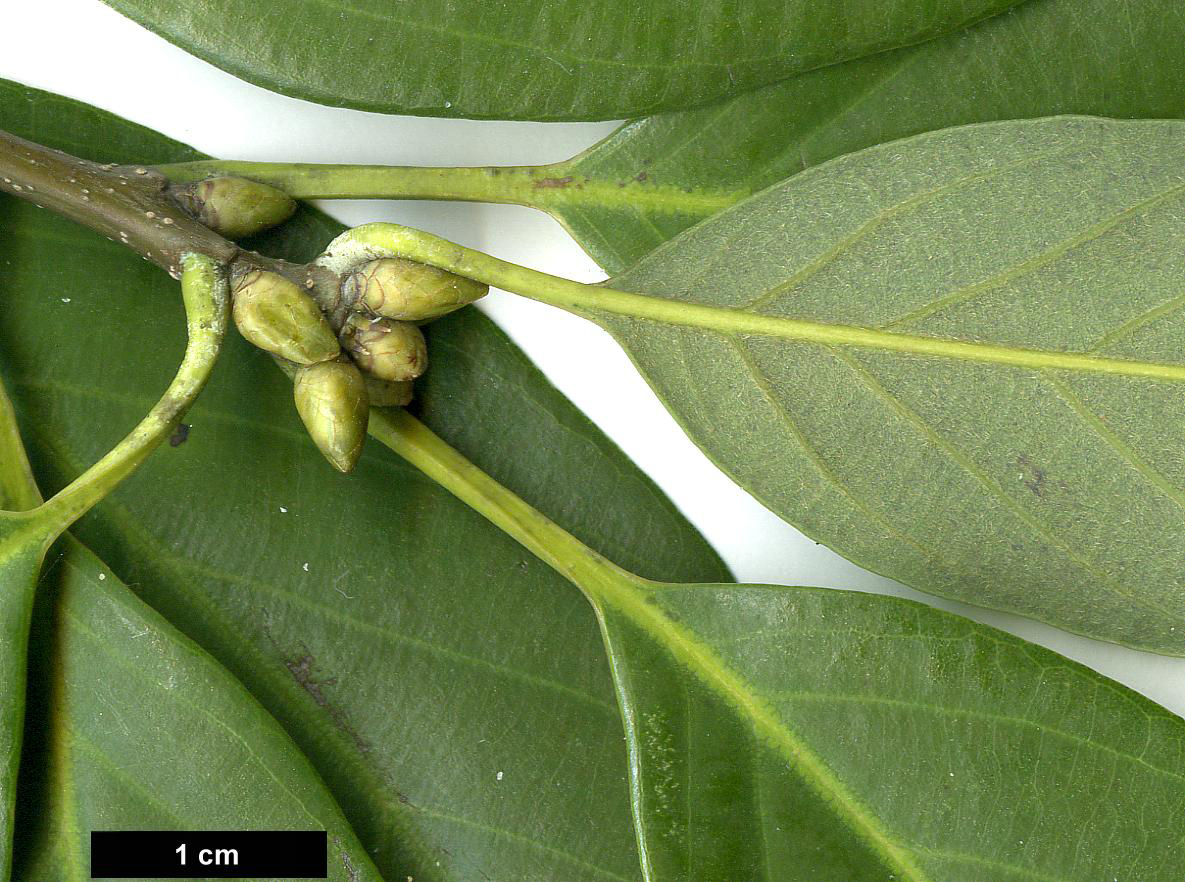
(940, 710)
(1036, 261)
(993, 489)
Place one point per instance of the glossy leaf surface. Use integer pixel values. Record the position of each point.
(899, 428)
(409, 676)
(810, 734)
(538, 59)
(134, 727)
(657, 176)
(20, 563)
(807, 734)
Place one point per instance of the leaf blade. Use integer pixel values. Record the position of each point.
(1035, 58)
(416, 777)
(806, 733)
(549, 61)
(117, 676)
(936, 725)
(978, 441)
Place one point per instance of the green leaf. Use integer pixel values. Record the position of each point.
(422, 652)
(600, 59)
(26, 535)
(20, 563)
(955, 359)
(655, 177)
(21, 553)
(136, 728)
(1050, 484)
(807, 734)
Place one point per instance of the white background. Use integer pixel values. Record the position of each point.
(101, 58)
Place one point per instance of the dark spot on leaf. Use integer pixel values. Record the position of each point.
(180, 435)
(552, 183)
(1033, 476)
(302, 671)
(641, 176)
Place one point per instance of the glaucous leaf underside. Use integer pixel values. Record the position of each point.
(538, 59)
(1054, 489)
(655, 177)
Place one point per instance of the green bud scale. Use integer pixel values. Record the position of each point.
(386, 349)
(332, 402)
(278, 317)
(235, 207)
(409, 291)
(385, 393)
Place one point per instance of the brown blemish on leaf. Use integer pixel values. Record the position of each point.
(351, 870)
(1036, 478)
(552, 183)
(1031, 475)
(302, 671)
(641, 177)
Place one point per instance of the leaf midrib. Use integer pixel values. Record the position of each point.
(629, 597)
(590, 300)
(61, 766)
(726, 319)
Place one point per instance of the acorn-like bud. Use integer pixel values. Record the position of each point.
(332, 402)
(385, 393)
(409, 291)
(387, 349)
(278, 317)
(235, 207)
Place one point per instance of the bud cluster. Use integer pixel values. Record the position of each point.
(371, 361)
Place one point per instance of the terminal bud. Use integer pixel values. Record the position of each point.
(408, 291)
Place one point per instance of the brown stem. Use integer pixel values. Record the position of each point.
(132, 205)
